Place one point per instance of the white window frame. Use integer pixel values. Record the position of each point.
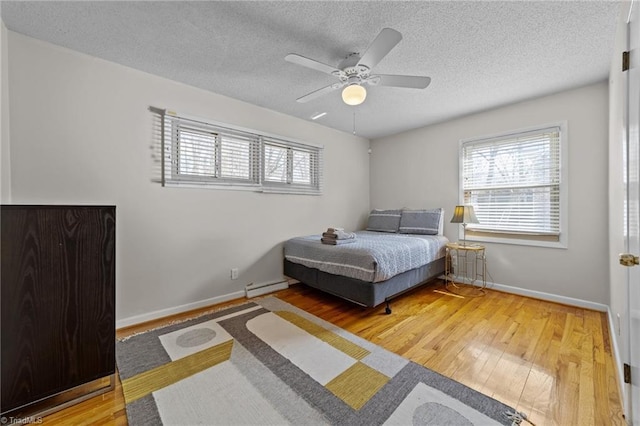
(289, 183)
(178, 126)
(505, 237)
(171, 173)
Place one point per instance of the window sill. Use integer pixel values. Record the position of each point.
(240, 187)
(562, 244)
(289, 191)
(227, 187)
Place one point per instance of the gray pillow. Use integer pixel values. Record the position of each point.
(384, 220)
(425, 222)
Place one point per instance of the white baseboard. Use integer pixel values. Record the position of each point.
(618, 361)
(150, 316)
(253, 290)
(565, 300)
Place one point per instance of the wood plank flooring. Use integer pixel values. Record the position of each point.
(550, 361)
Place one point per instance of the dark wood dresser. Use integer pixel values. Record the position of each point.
(57, 300)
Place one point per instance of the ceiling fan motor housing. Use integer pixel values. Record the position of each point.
(352, 72)
(354, 79)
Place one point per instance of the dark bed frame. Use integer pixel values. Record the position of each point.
(362, 292)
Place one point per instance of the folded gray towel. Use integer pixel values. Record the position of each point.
(336, 242)
(338, 234)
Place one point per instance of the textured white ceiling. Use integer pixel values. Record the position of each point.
(479, 54)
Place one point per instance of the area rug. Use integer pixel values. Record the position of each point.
(268, 362)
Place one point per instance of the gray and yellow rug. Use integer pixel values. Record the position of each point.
(271, 363)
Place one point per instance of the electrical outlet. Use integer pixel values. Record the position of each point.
(234, 273)
(618, 324)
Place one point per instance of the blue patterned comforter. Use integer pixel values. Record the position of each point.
(372, 257)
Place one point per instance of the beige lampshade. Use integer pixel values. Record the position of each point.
(354, 94)
(464, 214)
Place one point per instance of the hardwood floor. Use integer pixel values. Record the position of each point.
(550, 361)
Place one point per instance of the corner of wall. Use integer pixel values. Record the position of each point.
(5, 147)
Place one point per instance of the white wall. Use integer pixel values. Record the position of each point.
(81, 133)
(5, 152)
(419, 168)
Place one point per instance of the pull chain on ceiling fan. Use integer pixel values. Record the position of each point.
(354, 120)
(355, 71)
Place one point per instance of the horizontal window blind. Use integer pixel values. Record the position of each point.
(513, 182)
(196, 154)
(291, 166)
(275, 163)
(201, 153)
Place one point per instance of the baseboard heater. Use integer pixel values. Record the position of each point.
(253, 290)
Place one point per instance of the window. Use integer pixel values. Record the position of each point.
(515, 184)
(205, 154)
(289, 165)
(195, 152)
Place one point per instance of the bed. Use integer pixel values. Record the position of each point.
(399, 250)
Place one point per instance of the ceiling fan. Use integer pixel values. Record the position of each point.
(355, 71)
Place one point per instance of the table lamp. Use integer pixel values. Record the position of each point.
(464, 215)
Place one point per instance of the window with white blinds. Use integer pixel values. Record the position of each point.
(514, 182)
(204, 153)
(291, 166)
(200, 153)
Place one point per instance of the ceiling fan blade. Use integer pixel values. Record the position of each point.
(316, 94)
(383, 43)
(409, 81)
(311, 63)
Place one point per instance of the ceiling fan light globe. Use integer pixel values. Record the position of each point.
(354, 94)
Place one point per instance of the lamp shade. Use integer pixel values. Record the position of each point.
(464, 214)
(354, 94)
